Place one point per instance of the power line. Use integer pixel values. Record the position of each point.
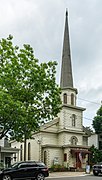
(64, 119)
(87, 100)
(88, 118)
(81, 117)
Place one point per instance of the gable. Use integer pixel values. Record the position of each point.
(51, 126)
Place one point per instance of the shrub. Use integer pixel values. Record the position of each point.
(58, 168)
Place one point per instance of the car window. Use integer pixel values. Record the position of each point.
(25, 165)
(40, 164)
(14, 165)
(32, 165)
(22, 165)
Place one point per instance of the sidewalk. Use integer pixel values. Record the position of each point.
(66, 174)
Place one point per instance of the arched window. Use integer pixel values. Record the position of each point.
(21, 153)
(65, 98)
(65, 157)
(72, 99)
(29, 151)
(74, 140)
(73, 120)
(45, 157)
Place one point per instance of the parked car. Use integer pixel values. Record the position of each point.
(97, 169)
(25, 170)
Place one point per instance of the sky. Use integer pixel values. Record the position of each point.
(40, 23)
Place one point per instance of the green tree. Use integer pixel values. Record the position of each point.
(88, 130)
(29, 95)
(95, 156)
(97, 122)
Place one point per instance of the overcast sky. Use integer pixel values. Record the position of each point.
(40, 23)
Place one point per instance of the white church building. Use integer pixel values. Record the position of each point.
(62, 140)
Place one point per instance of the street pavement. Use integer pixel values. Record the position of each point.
(66, 174)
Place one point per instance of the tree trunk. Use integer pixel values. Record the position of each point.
(25, 148)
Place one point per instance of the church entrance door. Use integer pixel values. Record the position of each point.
(78, 160)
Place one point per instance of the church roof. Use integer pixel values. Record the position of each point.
(66, 69)
(74, 107)
(50, 123)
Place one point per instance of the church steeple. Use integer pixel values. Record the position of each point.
(66, 69)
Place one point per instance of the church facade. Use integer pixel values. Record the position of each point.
(63, 140)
